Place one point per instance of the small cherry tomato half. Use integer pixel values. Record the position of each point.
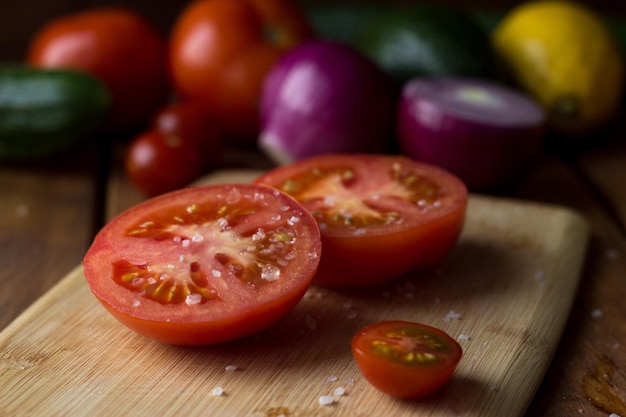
(119, 47)
(182, 144)
(405, 359)
(204, 265)
(380, 215)
(221, 50)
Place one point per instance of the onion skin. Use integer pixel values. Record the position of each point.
(325, 97)
(487, 139)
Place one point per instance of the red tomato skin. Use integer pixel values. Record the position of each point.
(220, 52)
(370, 259)
(202, 333)
(116, 45)
(400, 381)
(157, 162)
(388, 257)
(240, 312)
(191, 122)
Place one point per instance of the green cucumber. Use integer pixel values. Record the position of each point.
(44, 112)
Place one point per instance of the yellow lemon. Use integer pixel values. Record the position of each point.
(564, 55)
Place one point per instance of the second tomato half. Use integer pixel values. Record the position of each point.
(380, 216)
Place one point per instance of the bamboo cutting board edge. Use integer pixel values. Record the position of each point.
(38, 345)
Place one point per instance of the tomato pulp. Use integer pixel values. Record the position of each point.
(405, 359)
(380, 216)
(205, 265)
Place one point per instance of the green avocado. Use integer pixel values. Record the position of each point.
(428, 40)
(415, 39)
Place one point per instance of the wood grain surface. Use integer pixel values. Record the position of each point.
(505, 293)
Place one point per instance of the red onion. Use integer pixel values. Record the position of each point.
(483, 132)
(325, 97)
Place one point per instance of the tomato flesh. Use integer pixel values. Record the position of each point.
(405, 359)
(380, 216)
(205, 265)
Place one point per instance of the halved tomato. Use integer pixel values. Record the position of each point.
(380, 216)
(405, 359)
(205, 265)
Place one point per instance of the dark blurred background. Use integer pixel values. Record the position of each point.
(20, 19)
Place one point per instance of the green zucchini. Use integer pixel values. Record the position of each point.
(44, 112)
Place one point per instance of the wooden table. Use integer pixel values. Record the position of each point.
(50, 211)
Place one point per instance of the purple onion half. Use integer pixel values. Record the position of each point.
(481, 131)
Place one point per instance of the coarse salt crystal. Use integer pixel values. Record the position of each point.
(270, 272)
(326, 400)
(452, 315)
(193, 299)
(230, 368)
(331, 378)
(597, 313)
(339, 391)
(613, 415)
(464, 337)
(233, 196)
(217, 391)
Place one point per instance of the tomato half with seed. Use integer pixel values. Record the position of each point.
(405, 359)
(380, 216)
(204, 265)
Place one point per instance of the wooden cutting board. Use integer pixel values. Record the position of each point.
(505, 293)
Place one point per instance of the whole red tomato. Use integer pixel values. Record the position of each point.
(157, 163)
(221, 50)
(180, 145)
(116, 45)
(190, 122)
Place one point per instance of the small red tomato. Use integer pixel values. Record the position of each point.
(192, 123)
(119, 47)
(157, 162)
(405, 359)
